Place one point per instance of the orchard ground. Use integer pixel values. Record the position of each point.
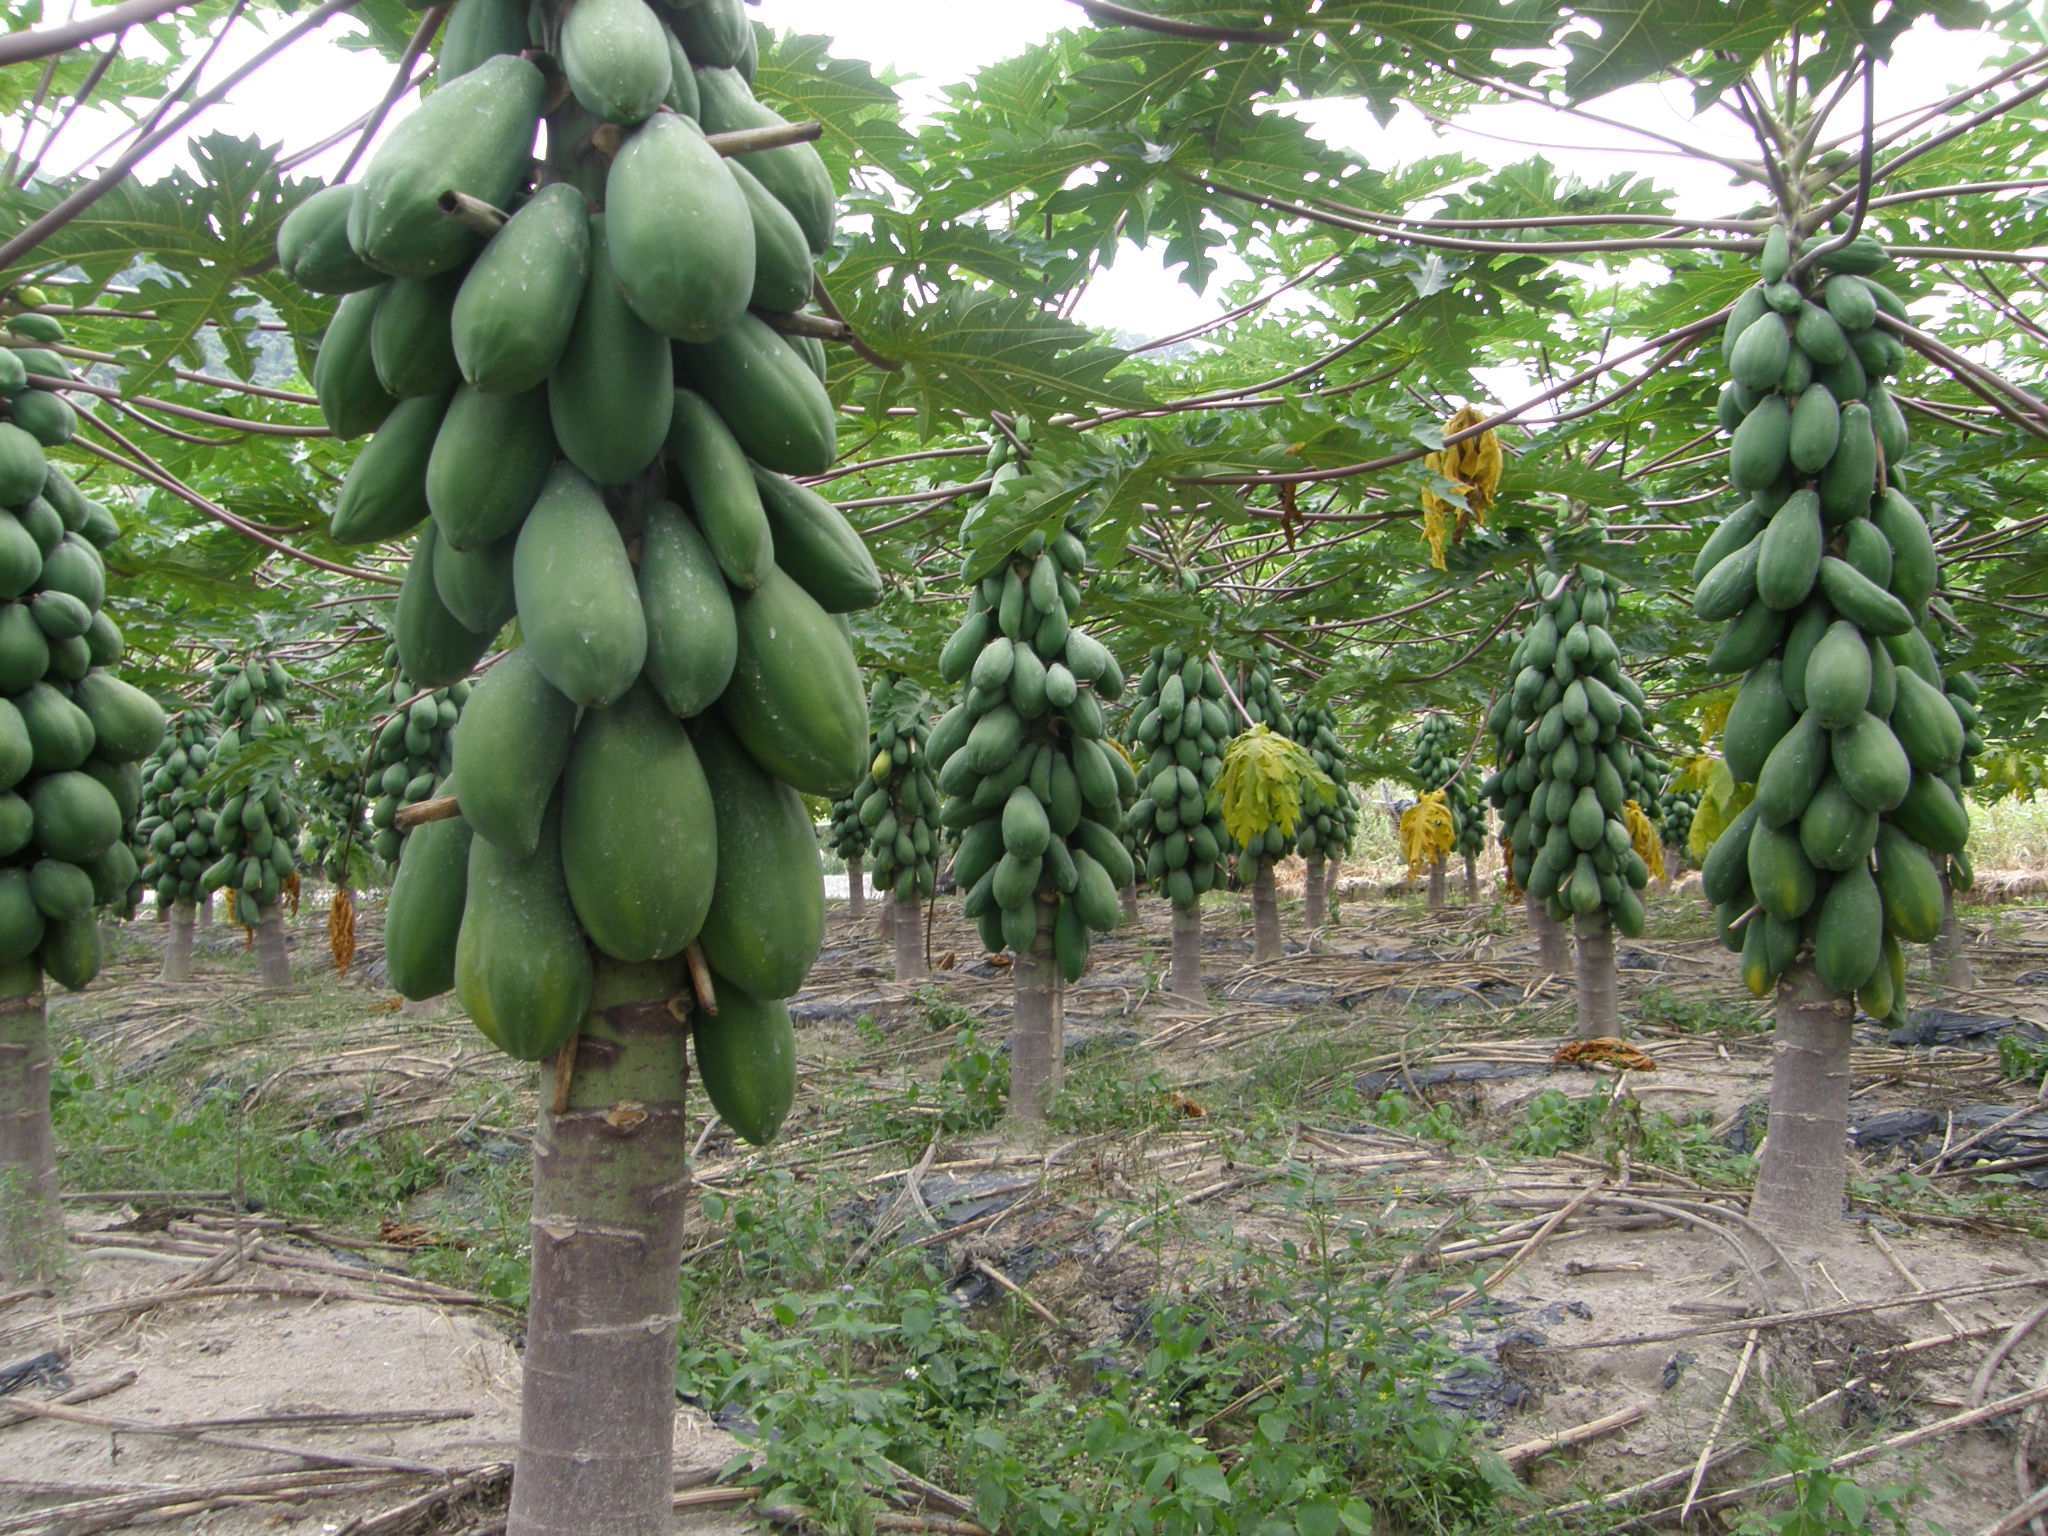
(1346, 1226)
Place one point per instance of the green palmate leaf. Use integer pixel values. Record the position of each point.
(861, 115)
(1266, 776)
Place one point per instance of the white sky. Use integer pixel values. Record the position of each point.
(317, 87)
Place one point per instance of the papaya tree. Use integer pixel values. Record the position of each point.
(1438, 763)
(1330, 829)
(1269, 785)
(72, 738)
(413, 751)
(1824, 577)
(1566, 731)
(1180, 723)
(256, 818)
(175, 831)
(1263, 842)
(847, 838)
(587, 418)
(1025, 773)
(1964, 694)
(897, 807)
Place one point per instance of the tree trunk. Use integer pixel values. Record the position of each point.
(31, 1219)
(1951, 947)
(910, 964)
(1187, 954)
(1598, 1017)
(597, 1396)
(205, 910)
(1800, 1184)
(272, 957)
(1551, 948)
(1674, 862)
(1130, 899)
(885, 923)
(1471, 881)
(856, 889)
(1265, 914)
(1436, 886)
(1315, 895)
(1037, 1044)
(1335, 873)
(178, 951)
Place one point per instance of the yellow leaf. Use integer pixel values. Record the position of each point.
(1648, 845)
(1265, 776)
(1427, 833)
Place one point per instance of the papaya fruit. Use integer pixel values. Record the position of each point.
(1838, 676)
(313, 249)
(1730, 586)
(680, 233)
(474, 136)
(126, 723)
(1910, 886)
(59, 732)
(1789, 553)
(783, 270)
(474, 586)
(715, 32)
(76, 817)
(352, 398)
(1761, 447)
(1835, 833)
(1816, 429)
(423, 919)
(409, 340)
(1860, 600)
(518, 301)
(384, 493)
(819, 548)
(795, 698)
(772, 402)
(1933, 815)
(1916, 569)
(489, 460)
(1850, 478)
(434, 648)
(723, 496)
(1848, 938)
(1779, 874)
(794, 173)
(70, 953)
(511, 745)
(1760, 718)
(1792, 771)
(579, 604)
(478, 30)
(615, 59)
(746, 1060)
(1747, 639)
(523, 972)
(766, 923)
(1926, 724)
(1871, 764)
(692, 632)
(611, 394)
(21, 561)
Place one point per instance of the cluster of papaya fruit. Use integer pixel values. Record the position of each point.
(1026, 777)
(1675, 823)
(1826, 576)
(844, 834)
(1565, 737)
(35, 407)
(1180, 720)
(73, 736)
(1435, 762)
(413, 752)
(1266, 705)
(897, 805)
(256, 827)
(174, 831)
(335, 816)
(1326, 829)
(592, 418)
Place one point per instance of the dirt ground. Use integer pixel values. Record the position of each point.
(1607, 1300)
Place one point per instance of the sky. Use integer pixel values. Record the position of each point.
(318, 87)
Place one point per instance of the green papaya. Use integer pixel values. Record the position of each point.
(76, 817)
(385, 492)
(1860, 600)
(434, 648)
(1926, 724)
(615, 59)
(579, 604)
(1835, 833)
(518, 301)
(511, 745)
(59, 732)
(681, 234)
(474, 135)
(692, 632)
(313, 248)
(21, 562)
(352, 398)
(1816, 430)
(1792, 771)
(1789, 552)
(767, 918)
(24, 649)
(522, 969)
(795, 698)
(489, 460)
(70, 953)
(409, 340)
(611, 395)
(722, 494)
(474, 586)
(1730, 586)
(1848, 939)
(1850, 479)
(783, 271)
(1910, 886)
(478, 30)
(1758, 721)
(746, 1060)
(1871, 764)
(818, 547)
(772, 402)
(126, 723)
(794, 173)
(1761, 447)
(1916, 570)
(716, 32)
(1784, 882)
(638, 844)
(1838, 676)
(423, 919)
(1933, 815)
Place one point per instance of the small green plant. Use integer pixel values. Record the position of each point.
(1825, 1502)
(1397, 1112)
(1609, 1125)
(2021, 1060)
(1706, 1014)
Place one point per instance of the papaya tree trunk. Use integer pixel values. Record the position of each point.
(205, 911)
(597, 1395)
(1436, 886)
(1315, 895)
(856, 889)
(1471, 881)
(1598, 1015)
(909, 935)
(1037, 1051)
(272, 957)
(31, 1220)
(1130, 900)
(178, 950)
(1551, 948)
(1335, 873)
(1672, 866)
(1265, 914)
(1187, 953)
(1951, 946)
(885, 922)
(1804, 1172)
